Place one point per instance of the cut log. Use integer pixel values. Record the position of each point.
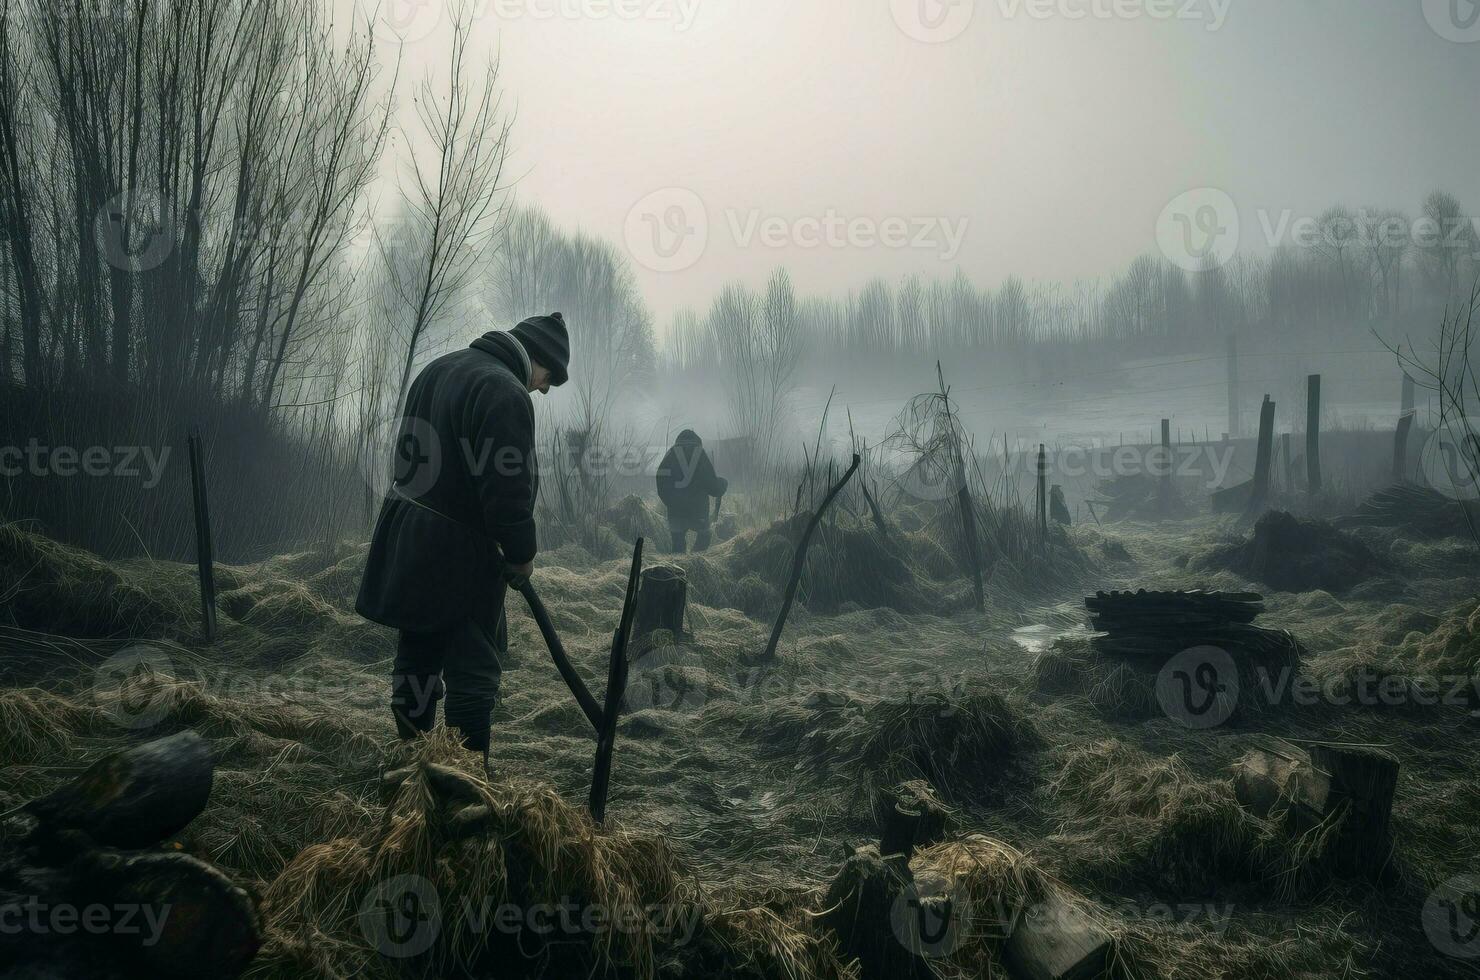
(662, 601)
(133, 797)
(1305, 788)
(1058, 939)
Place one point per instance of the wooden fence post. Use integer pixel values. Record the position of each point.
(1233, 413)
(1260, 492)
(1042, 494)
(204, 560)
(1400, 447)
(1166, 460)
(1313, 433)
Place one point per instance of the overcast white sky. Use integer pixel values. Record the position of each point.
(1043, 138)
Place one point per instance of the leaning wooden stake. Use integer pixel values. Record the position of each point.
(799, 560)
(1260, 492)
(1313, 434)
(964, 503)
(203, 556)
(616, 689)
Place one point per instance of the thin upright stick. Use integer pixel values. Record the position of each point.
(205, 564)
(799, 560)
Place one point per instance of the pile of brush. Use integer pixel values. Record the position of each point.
(1140, 496)
(1417, 510)
(1296, 554)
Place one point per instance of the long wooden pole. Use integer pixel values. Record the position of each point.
(799, 561)
(572, 679)
(204, 558)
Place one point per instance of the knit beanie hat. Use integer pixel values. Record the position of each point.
(548, 343)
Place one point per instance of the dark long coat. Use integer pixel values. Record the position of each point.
(463, 498)
(686, 481)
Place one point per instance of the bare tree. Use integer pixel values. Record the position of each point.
(452, 207)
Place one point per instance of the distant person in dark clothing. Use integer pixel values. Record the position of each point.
(459, 511)
(686, 481)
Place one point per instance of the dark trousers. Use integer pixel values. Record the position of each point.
(680, 527)
(460, 663)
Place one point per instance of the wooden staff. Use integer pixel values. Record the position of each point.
(521, 584)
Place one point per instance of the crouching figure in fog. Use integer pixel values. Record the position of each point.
(459, 513)
(686, 481)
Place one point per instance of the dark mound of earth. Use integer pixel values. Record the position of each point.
(1297, 554)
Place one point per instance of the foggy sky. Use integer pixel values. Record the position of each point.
(1049, 135)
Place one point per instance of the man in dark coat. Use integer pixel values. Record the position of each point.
(686, 481)
(459, 511)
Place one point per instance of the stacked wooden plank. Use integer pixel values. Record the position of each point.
(1161, 624)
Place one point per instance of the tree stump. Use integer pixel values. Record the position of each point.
(1305, 788)
(662, 602)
